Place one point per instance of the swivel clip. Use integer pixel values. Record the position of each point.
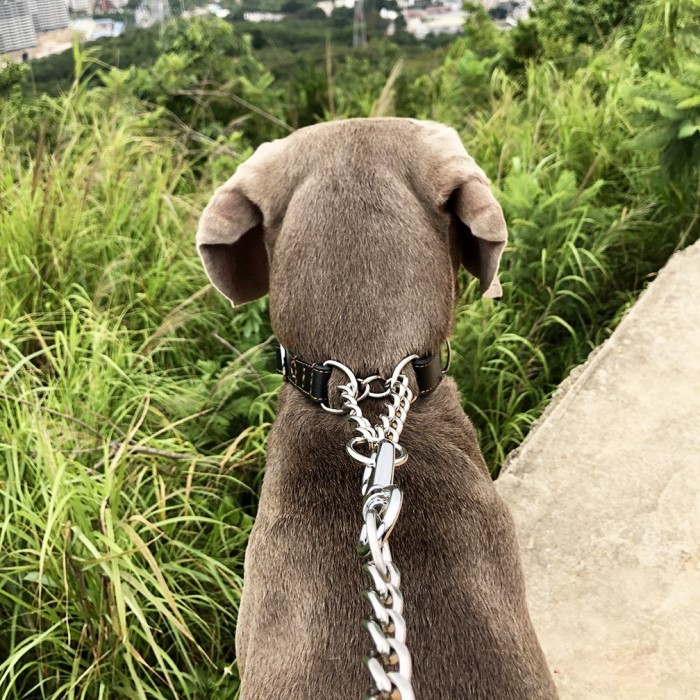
(382, 498)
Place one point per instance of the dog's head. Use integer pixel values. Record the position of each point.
(357, 229)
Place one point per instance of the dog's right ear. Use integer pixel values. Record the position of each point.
(231, 233)
(231, 243)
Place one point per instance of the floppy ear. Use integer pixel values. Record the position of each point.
(231, 234)
(483, 232)
(230, 241)
(462, 186)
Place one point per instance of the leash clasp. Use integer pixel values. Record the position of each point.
(382, 498)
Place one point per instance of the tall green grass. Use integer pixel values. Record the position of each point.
(592, 218)
(135, 403)
(132, 430)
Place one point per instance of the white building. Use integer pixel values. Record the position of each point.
(212, 8)
(437, 19)
(263, 16)
(152, 12)
(91, 29)
(79, 5)
(49, 14)
(17, 30)
(21, 20)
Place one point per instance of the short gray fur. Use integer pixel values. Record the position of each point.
(357, 229)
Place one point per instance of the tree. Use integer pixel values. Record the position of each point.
(342, 16)
(563, 26)
(13, 77)
(481, 34)
(207, 76)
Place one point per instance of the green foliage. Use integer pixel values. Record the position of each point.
(55, 74)
(480, 34)
(360, 81)
(562, 26)
(132, 436)
(590, 216)
(376, 80)
(462, 79)
(135, 402)
(342, 16)
(207, 76)
(667, 98)
(12, 79)
(670, 106)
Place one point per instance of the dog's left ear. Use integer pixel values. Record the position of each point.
(464, 189)
(482, 230)
(231, 234)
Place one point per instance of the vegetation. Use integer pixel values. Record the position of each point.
(135, 402)
(301, 37)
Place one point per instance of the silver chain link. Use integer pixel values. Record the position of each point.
(389, 663)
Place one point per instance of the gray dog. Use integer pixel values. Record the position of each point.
(357, 229)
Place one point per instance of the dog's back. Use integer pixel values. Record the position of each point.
(468, 626)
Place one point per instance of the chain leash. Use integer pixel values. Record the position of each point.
(389, 664)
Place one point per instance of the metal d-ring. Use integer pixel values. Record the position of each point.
(448, 361)
(400, 367)
(350, 448)
(352, 385)
(401, 454)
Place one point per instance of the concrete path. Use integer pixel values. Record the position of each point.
(606, 497)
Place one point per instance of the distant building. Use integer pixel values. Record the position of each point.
(507, 13)
(106, 28)
(263, 16)
(152, 12)
(16, 26)
(49, 14)
(448, 17)
(160, 10)
(212, 8)
(79, 5)
(436, 19)
(22, 20)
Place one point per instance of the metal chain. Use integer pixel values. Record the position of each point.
(389, 664)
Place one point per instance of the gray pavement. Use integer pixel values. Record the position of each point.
(605, 492)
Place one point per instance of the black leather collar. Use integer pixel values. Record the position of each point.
(312, 378)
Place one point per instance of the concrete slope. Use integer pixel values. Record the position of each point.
(605, 493)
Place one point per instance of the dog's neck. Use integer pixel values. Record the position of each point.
(383, 290)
